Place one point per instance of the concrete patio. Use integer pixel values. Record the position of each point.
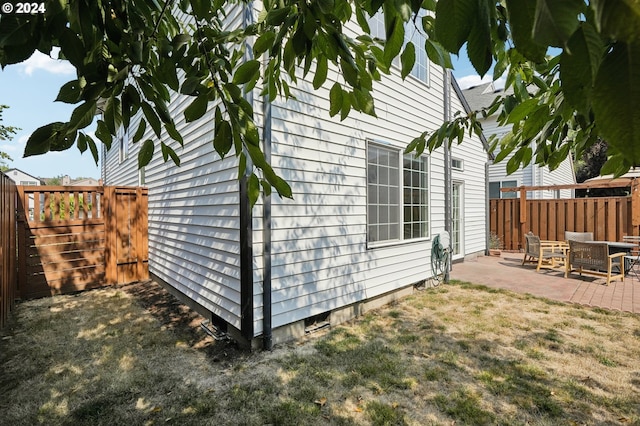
(507, 272)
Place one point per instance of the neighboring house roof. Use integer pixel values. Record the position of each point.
(468, 109)
(8, 173)
(633, 174)
(85, 182)
(483, 95)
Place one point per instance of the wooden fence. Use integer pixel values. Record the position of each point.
(8, 258)
(76, 238)
(609, 218)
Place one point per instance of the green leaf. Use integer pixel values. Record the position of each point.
(521, 16)
(453, 22)
(173, 133)
(349, 72)
(326, 6)
(395, 38)
(407, 59)
(146, 153)
(322, 69)
(102, 133)
(364, 100)
(276, 17)
(437, 54)
(616, 100)
(162, 111)
(335, 99)
(190, 85)
(152, 118)
(63, 139)
(82, 142)
(556, 20)
(83, 115)
(535, 121)
(40, 140)
(140, 132)
(618, 19)
(346, 105)
(246, 72)
(93, 148)
(72, 48)
(167, 152)
(223, 140)
(69, 93)
(197, 108)
(479, 46)
(167, 74)
(579, 65)
(263, 43)
(253, 187)
(522, 110)
(362, 20)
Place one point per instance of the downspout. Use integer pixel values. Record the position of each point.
(448, 217)
(266, 233)
(246, 221)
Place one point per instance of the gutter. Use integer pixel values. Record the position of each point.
(246, 222)
(267, 331)
(448, 216)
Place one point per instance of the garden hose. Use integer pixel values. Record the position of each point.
(440, 258)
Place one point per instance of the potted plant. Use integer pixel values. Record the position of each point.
(495, 245)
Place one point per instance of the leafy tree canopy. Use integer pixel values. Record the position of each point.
(130, 55)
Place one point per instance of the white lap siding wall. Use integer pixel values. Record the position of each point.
(194, 219)
(320, 258)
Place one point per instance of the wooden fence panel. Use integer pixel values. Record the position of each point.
(68, 238)
(609, 218)
(8, 256)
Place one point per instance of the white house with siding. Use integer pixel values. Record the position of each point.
(23, 178)
(482, 96)
(358, 232)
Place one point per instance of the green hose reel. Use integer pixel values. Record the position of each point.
(440, 257)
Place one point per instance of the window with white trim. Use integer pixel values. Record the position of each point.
(123, 144)
(397, 195)
(457, 164)
(494, 189)
(411, 34)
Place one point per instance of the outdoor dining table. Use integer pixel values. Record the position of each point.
(620, 247)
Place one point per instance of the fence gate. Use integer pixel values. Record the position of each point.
(76, 238)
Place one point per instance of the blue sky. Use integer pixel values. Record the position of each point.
(30, 88)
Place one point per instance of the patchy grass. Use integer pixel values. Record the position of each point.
(458, 354)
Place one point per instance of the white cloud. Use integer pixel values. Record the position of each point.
(15, 146)
(475, 80)
(40, 61)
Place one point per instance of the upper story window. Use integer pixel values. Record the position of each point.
(411, 33)
(397, 195)
(457, 164)
(123, 144)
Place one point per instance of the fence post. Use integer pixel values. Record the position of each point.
(635, 206)
(523, 214)
(142, 249)
(110, 229)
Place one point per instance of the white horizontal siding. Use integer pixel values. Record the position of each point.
(531, 175)
(320, 259)
(193, 210)
(474, 187)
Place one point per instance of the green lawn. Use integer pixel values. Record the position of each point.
(457, 354)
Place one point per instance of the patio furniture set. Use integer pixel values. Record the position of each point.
(580, 253)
